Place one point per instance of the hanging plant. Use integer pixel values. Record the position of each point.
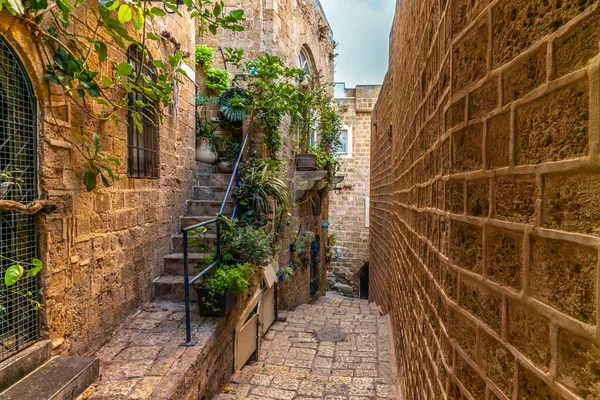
(234, 104)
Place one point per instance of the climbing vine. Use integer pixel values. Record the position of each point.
(75, 47)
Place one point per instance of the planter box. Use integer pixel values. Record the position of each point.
(306, 162)
(224, 304)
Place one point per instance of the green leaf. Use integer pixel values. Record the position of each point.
(13, 274)
(37, 267)
(124, 15)
(213, 29)
(106, 81)
(89, 179)
(158, 12)
(152, 36)
(237, 14)
(138, 19)
(217, 9)
(124, 69)
(101, 50)
(64, 5)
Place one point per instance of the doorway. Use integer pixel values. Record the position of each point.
(363, 278)
(314, 267)
(18, 182)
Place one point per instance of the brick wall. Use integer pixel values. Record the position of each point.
(104, 248)
(484, 192)
(347, 210)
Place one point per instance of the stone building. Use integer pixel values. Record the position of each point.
(107, 252)
(348, 208)
(484, 189)
(298, 33)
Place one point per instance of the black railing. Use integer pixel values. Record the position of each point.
(234, 180)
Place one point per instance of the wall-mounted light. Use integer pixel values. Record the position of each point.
(336, 181)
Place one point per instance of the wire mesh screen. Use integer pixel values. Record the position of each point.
(18, 182)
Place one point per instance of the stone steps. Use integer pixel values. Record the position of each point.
(174, 262)
(209, 192)
(24, 362)
(60, 378)
(213, 180)
(186, 221)
(200, 208)
(177, 242)
(172, 287)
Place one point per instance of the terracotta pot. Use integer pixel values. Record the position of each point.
(306, 162)
(204, 152)
(224, 166)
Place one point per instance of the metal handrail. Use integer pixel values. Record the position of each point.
(189, 282)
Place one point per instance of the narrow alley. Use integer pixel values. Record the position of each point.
(334, 349)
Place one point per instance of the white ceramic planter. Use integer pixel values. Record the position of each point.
(204, 153)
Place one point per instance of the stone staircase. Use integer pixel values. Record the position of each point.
(208, 194)
(33, 374)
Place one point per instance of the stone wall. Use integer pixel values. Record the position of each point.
(282, 28)
(104, 248)
(347, 215)
(484, 190)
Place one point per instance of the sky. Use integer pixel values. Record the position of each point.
(362, 28)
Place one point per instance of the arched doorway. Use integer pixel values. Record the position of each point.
(363, 282)
(18, 182)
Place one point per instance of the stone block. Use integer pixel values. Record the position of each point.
(504, 254)
(515, 197)
(578, 364)
(455, 202)
(572, 202)
(463, 332)
(449, 281)
(518, 24)
(554, 127)
(466, 246)
(478, 198)
(469, 58)
(498, 363)
(455, 114)
(484, 99)
(530, 386)
(524, 75)
(563, 275)
(578, 45)
(467, 152)
(470, 378)
(529, 332)
(497, 141)
(482, 303)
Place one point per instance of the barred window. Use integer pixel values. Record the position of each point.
(142, 146)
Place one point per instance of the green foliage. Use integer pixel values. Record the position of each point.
(331, 242)
(227, 280)
(258, 186)
(247, 243)
(217, 80)
(307, 240)
(234, 104)
(288, 273)
(99, 164)
(74, 60)
(15, 272)
(204, 55)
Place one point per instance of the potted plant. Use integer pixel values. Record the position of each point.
(285, 274)
(206, 149)
(218, 292)
(234, 104)
(232, 147)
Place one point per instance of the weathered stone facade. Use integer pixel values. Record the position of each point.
(103, 249)
(283, 28)
(348, 210)
(484, 193)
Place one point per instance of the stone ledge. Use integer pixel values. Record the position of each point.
(145, 360)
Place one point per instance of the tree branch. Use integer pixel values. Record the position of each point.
(34, 207)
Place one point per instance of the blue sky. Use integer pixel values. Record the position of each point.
(362, 28)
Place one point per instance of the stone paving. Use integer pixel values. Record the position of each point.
(297, 360)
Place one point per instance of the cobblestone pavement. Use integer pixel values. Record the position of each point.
(298, 360)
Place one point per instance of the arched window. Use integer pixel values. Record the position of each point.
(303, 62)
(142, 146)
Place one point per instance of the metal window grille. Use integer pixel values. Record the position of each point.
(18, 182)
(142, 146)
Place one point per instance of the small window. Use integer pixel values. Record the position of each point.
(344, 149)
(303, 63)
(142, 146)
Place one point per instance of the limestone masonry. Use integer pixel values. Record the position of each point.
(485, 190)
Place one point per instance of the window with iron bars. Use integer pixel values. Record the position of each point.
(142, 146)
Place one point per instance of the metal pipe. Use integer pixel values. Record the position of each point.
(186, 277)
